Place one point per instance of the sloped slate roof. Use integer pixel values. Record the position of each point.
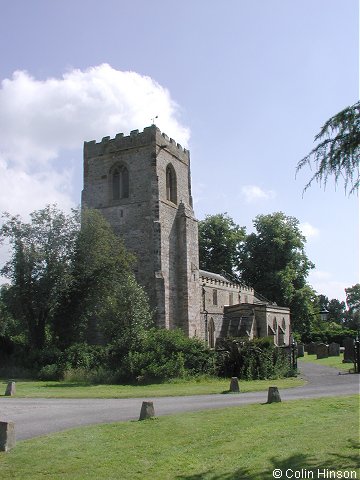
(215, 276)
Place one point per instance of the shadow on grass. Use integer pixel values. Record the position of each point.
(299, 462)
(67, 385)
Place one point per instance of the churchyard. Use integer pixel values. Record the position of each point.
(331, 355)
(336, 362)
(176, 387)
(247, 442)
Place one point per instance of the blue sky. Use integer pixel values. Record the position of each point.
(245, 85)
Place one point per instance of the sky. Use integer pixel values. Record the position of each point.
(244, 84)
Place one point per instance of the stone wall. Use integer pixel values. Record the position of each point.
(217, 293)
(161, 233)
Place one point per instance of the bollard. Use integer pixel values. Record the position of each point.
(147, 410)
(10, 389)
(273, 395)
(7, 436)
(234, 385)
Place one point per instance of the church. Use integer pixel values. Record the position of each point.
(141, 183)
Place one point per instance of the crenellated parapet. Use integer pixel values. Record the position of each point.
(214, 280)
(136, 139)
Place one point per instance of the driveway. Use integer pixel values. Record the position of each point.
(35, 417)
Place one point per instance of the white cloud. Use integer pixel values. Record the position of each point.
(308, 230)
(40, 120)
(23, 192)
(253, 193)
(324, 283)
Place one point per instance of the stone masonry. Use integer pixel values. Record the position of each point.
(141, 183)
(160, 230)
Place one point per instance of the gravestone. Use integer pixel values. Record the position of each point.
(311, 348)
(321, 351)
(349, 352)
(147, 410)
(273, 395)
(334, 349)
(234, 385)
(10, 389)
(300, 350)
(7, 436)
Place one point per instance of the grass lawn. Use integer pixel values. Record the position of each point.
(335, 362)
(38, 389)
(234, 443)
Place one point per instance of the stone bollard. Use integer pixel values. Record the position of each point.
(7, 436)
(10, 389)
(234, 385)
(273, 395)
(147, 410)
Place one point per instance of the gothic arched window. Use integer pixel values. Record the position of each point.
(120, 183)
(215, 297)
(171, 193)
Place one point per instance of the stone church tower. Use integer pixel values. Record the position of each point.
(141, 184)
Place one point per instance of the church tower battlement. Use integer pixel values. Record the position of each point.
(142, 185)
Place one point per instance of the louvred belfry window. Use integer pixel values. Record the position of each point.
(120, 183)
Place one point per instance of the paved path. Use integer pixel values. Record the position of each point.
(35, 417)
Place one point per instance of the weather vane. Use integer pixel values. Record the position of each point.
(153, 120)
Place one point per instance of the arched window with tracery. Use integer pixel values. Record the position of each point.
(171, 193)
(215, 297)
(120, 182)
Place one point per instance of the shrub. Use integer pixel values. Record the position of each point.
(330, 332)
(252, 360)
(14, 371)
(50, 372)
(96, 376)
(83, 356)
(46, 356)
(163, 354)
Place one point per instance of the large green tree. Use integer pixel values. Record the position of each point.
(337, 152)
(274, 263)
(336, 309)
(69, 284)
(39, 268)
(103, 303)
(219, 244)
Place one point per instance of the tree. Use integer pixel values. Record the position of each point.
(6, 320)
(353, 304)
(273, 259)
(338, 151)
(39, 267)
(69, 284)
(274, 263)
(219, 244)
(103, 302)
(304, 314)
(336, 309)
